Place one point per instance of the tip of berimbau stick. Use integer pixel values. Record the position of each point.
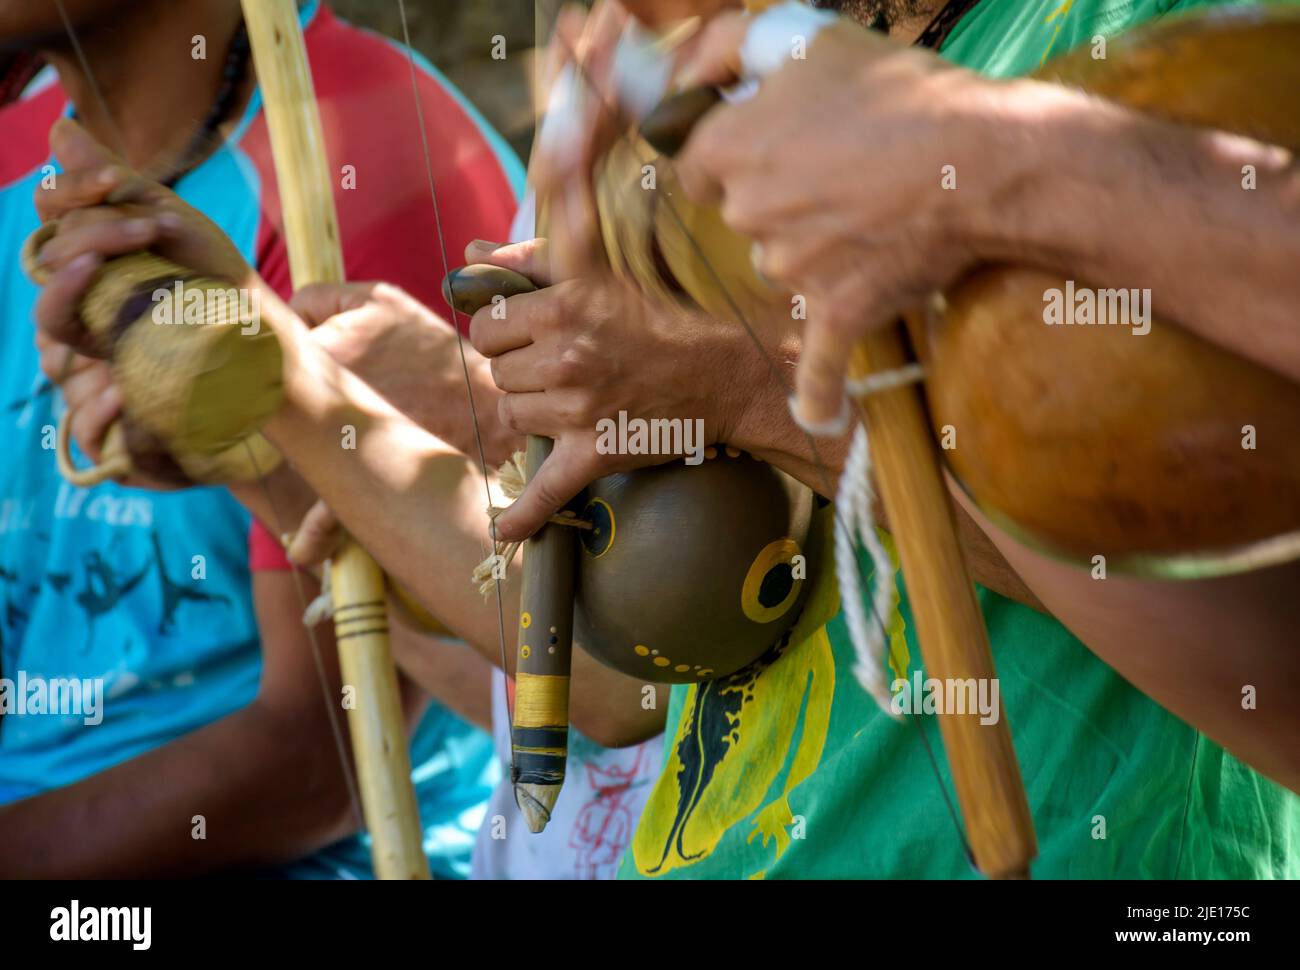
(536, 802)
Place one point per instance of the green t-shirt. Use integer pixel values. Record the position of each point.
(792, 771)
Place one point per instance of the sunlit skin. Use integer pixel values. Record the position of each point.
(396, 343)
(1050, 175)
(273, 802)
(1166, 638)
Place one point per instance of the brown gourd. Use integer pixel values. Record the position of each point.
(1079, 440)
(688, 572)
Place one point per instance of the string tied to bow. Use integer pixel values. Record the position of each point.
(856, 523)
(512, 479)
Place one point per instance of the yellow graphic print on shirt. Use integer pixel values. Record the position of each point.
(744, 742)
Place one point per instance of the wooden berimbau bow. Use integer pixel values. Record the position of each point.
(379, 740)
(194, 398)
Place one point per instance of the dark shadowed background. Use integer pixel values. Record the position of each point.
(458, 37)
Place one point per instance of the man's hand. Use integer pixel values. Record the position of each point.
(144, 215)
(584, 350)
(90, 233)
(865, 172)
(411, 357)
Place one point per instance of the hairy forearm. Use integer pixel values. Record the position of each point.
(419, 506)
(261, 804)
(1219, 653)
(1120, 199)
(759, 419)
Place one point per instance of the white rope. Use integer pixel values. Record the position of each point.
(884, 380)
(322, 607)
(855, 523)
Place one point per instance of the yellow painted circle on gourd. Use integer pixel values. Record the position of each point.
(782, 551)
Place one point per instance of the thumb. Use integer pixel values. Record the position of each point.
(317, 302)
(76, 148)
(531, 258)
(318, 535)
(562, 476)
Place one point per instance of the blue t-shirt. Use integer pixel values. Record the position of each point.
(147, 594)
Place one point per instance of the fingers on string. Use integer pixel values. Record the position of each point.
(819, 379)
(829, 341)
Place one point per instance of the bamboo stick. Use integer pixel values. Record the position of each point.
(954, 641)
(375, 722)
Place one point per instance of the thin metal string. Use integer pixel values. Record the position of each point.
(119, 145)
(460, 346)
(336, 731)
(318, 660)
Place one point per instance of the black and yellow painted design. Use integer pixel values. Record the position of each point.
(691, 572)
(744, 742)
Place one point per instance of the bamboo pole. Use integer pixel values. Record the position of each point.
(375, 721)
(950, 629)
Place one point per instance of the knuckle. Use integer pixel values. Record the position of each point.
(480, 325)
(738, 212)
(506, 414)
(569, 367)
(774, 261)
(575, 410)
(546, 494)
(390, 293)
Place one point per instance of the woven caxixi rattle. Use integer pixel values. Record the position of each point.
(199, 373)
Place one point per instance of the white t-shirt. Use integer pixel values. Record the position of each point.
(604, 788)
(593, 819)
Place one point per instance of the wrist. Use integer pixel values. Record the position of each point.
(755, 417)
(1041, 142)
